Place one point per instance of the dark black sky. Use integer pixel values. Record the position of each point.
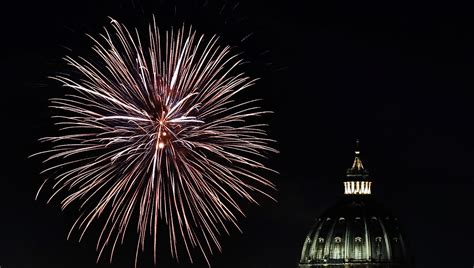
(397, 76)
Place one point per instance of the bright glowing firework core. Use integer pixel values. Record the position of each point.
(153, 130)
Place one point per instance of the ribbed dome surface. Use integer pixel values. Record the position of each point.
(357, 232)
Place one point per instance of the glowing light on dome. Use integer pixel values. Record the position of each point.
(357, 187)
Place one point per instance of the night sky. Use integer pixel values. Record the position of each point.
(398, 77)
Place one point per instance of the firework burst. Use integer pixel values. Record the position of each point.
(152, 132)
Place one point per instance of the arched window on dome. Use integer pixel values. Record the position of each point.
(396, 246)
(320, 248)
(378, 248)
(337, 248)
(358, 248)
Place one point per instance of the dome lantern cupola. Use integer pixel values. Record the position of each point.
(357, 177)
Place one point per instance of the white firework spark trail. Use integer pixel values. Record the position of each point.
(156, 133)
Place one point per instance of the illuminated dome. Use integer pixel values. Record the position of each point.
(357, 231)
